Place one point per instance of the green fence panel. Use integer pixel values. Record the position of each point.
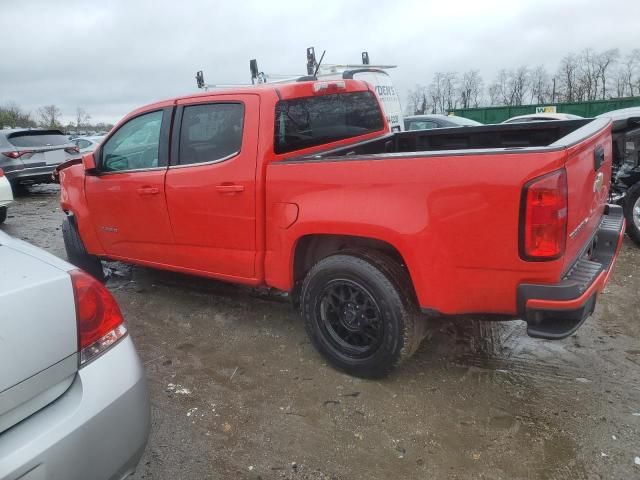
(584, 109)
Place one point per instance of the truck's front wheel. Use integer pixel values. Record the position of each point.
(358, 314)
(77, 253)
(3, 214)
(631, 209)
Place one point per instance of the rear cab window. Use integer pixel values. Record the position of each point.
(37, 138)
(312, 121)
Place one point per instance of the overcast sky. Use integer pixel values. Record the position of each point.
(112, 56)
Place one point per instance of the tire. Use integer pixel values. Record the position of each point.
(3, 214)
(77, 253)
(631, 202)
(360, 314)
(19, 190)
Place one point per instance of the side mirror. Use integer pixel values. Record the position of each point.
(89, 163)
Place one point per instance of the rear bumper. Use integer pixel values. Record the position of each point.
(556, 311)
(41, 174)
(97, 429)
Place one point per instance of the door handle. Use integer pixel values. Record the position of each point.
(230, 188)
(148, 191)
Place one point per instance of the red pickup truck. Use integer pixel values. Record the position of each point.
(301, 187)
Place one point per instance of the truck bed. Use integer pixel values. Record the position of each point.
(502, 136)
(449, 200)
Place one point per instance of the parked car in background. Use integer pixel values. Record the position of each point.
(427, 122)
(30, 156)
(87, 144)
(302, 187)
(542, 117)
(74, 403)
(6, 196)
(625, 187)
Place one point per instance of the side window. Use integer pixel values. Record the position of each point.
(422, 125)
(210, 132)
(134, 146)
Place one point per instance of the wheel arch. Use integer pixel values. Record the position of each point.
(311, 248)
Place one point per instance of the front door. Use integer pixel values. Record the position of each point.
(126, 196)
(211, 185)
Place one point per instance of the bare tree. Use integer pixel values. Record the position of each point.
(417, 102)
(494, 94)
(628, 74)
(82, 117)
(499, 89)
(604, 61)
(518, 85)
(443, 92)
(541, 89)
(568, 78)
(471, 89)
(450, 85)
(587, 77)
(510, 87)
(436, 93)
(49, 116)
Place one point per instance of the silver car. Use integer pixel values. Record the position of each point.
(73, 400)
(30, 156)
(87, 144)
(542, 117)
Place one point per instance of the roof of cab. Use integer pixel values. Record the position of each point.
(284, 91)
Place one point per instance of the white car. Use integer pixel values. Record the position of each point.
(87, 144)
(542, 117)
(74, 404)
(6, 196)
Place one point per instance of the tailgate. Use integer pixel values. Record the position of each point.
(588, 167)
(38, 340)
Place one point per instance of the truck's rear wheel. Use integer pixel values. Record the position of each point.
(77, 253)
(3, 214)
(631, 209)
(359, 315)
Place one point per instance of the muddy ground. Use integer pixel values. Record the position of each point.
(239, 393)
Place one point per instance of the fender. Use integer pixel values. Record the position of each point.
(71, 177)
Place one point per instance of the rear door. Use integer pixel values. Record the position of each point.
(126, 196)
(211, 184)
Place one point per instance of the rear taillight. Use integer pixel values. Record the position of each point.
(543, 221)
(16, 154)
(72, 150)
(1, 173)
(100, 323)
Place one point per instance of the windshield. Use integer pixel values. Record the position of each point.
(312, 121)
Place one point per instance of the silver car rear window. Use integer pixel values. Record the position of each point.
(37, 138)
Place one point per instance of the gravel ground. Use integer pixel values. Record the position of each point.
(238, 392)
